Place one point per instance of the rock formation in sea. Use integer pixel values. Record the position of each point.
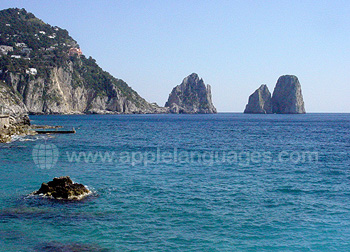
(43, 71)
(192, 96)
(287, 97)
(259, 102)
(63, 188)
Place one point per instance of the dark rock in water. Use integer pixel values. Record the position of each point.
(259, 102)
(70, 247)
(192, 96)
(63, 188)
(287, 97)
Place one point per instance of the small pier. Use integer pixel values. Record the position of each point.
(55, 131)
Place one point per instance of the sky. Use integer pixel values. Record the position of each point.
(235, 46)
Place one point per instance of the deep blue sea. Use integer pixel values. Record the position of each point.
(224, 182)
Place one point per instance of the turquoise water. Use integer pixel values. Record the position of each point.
(225, 182)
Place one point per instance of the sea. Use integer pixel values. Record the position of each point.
(218, 182)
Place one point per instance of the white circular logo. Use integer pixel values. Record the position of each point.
(45, 156)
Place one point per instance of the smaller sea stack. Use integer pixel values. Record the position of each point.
(259, 102)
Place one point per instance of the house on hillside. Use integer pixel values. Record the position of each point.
(4, 120)
(31, 71)
(21, 44)
(26, 50)
(4, 49)
(75, 51)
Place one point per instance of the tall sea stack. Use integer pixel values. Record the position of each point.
(259, 102)
(287, 97)
(192, 96)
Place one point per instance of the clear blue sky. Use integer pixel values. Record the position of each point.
(233, 45)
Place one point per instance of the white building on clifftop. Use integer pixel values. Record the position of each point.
(31, 71)
(4, 49)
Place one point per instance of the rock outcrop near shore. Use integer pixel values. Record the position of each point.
(287, 97)
(63, 188)
(259, 102)
(11, 125)
(192, 96)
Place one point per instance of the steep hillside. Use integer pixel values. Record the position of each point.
(44, 70)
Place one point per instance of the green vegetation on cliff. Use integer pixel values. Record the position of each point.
(31, 49)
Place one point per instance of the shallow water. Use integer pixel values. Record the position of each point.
(225, 182)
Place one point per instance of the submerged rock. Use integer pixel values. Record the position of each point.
(259, 102)
(192, 96)
(63, 188)
(287, 97)
(54, 246)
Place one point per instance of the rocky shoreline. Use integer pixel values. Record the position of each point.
(11, 126)
(15, 126)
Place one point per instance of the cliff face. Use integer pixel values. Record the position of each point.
(192, 96)
(287, 97)
(57, 94)
(43, 70)
(10, 101)
(259, 102)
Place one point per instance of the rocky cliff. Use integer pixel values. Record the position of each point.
(192, 96)
(259, 102)
(42, 70)
(59, 93)
(287, 97)
(11, 102)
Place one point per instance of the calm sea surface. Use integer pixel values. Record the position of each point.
(225, 182)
